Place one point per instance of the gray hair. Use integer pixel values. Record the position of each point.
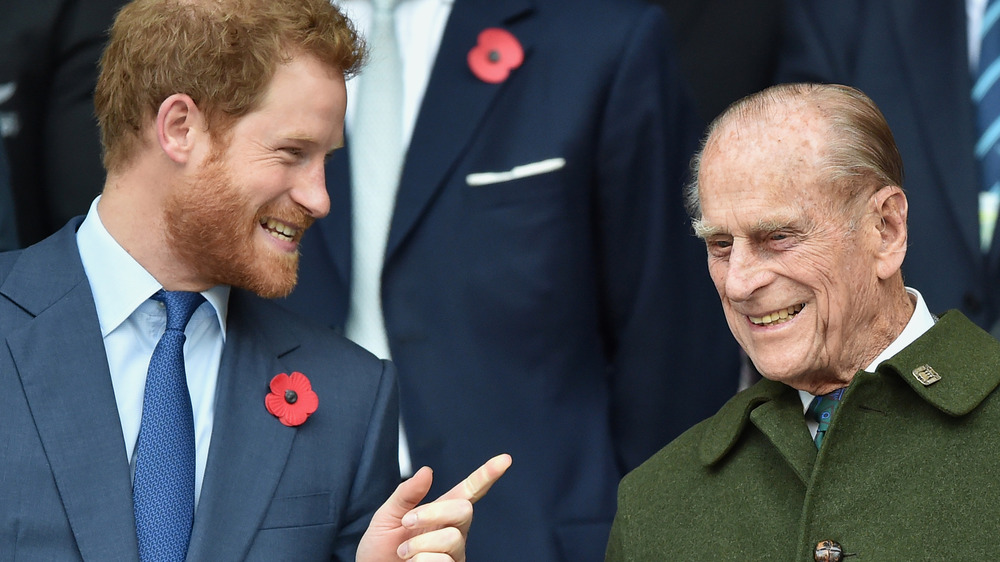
(861, 154)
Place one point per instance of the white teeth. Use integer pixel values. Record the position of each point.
(279, 230)
(777, 317)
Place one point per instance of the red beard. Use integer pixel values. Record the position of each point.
(213, 227)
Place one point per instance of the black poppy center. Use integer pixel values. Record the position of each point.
(494, 56)
(291, 397)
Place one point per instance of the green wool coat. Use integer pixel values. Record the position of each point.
(907, 471)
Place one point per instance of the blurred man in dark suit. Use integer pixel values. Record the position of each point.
(48, 67)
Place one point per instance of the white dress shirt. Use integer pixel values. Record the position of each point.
(419, 27)
(131, 325)
(920, 321)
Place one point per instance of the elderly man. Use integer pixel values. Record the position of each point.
(798, 198)
(155, 406)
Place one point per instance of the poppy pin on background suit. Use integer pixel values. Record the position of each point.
(291, 399)
(495, 55)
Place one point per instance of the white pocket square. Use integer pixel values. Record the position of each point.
(523, 171)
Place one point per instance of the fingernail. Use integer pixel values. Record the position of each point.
(403, 550)
(409, 520)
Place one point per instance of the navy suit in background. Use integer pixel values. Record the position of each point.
(567, 317)
(8, 220)
(270, 492)
(48, 68)
(912, 58)
(727, 48)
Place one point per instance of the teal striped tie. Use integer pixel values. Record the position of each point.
(821, 410)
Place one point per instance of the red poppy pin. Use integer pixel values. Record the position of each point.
(291, 399)
(497, 53)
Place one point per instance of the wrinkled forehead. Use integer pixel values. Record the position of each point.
(793, 127)
(765, 159)
(786, 142)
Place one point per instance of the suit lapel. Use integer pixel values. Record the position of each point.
(453, 107)
(937, 65)
(249, 445)
(72, 402)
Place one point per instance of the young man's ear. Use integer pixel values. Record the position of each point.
(179, 126)
(891, 210)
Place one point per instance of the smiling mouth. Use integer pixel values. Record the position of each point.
(777, 317)
(280, 230)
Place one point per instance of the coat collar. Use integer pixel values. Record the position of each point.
(966, 358)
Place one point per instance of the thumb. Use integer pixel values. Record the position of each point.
(407, 496)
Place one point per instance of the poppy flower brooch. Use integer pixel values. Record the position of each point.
(291, 399)
(495, 55)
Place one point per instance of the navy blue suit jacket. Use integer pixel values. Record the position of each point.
(565, 317)
(912, 59)
(270, 492)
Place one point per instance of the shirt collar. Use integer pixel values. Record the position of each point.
(119, 284)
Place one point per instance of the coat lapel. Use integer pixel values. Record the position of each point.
(72, 402)
(249, 445)
(454, 105)
(783, 423)
(775, 409)
(937, 65)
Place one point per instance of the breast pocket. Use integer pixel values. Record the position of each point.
(541, 179)
(299, 511)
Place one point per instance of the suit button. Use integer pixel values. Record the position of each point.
(828, 551)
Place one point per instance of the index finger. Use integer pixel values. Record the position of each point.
(479, 482)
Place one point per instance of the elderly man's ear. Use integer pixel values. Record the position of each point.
(890, 205)
(179, 125)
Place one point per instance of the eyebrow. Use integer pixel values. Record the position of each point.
(770, 225)
(705, 231)
(308, 140)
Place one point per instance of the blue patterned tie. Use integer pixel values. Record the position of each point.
(163, 491)
(986, 95)
(821, 410)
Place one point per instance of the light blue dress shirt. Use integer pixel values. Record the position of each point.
(132, 323)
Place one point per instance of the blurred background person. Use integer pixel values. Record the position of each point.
(921, 63)
(48, 67)
(8, 222)
(507, 225)
(727, 48)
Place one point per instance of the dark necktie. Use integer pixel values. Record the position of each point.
(821, 410)
(163, 491)
(986, 95)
